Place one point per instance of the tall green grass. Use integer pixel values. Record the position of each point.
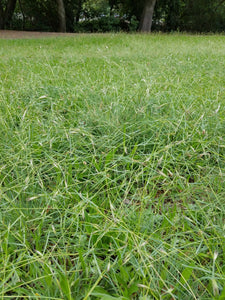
(112, 167)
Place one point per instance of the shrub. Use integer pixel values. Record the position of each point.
(107, 24)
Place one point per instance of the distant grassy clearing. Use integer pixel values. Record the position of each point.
(112, 167)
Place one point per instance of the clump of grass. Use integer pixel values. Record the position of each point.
(112, 167)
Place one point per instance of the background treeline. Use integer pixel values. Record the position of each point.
(113, 15)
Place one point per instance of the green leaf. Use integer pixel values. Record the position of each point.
(107, 297)
(104, 295)
(65, 285)
(186, 274)
(133, 288)
(222, 295)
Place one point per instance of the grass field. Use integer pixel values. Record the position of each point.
(112, 167)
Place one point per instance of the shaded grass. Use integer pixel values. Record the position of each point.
(112, 167)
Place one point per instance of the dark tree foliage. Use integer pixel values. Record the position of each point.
(203, 16)
(190, 15)
(45, 15)
(37, 15)
(113, 15)
(7, 8)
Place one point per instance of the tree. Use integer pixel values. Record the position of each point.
(7, 9)
(105, 15)
(203, 15)
(43, 15)
(61, 16)
(147, 15)
(78, 11)
(143, 11)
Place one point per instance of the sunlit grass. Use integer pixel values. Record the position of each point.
(112, 167)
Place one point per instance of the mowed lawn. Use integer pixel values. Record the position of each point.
(112, 167)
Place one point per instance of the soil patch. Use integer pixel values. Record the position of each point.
(13, 34)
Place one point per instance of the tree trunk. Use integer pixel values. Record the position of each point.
(62, 16)
(1, 17)
(22, 12)
(10, 8)
(147, 14)
(78, 11)
(6, 15)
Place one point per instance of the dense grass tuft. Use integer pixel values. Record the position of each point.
(112, 167)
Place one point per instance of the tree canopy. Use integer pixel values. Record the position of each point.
(113, 15)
